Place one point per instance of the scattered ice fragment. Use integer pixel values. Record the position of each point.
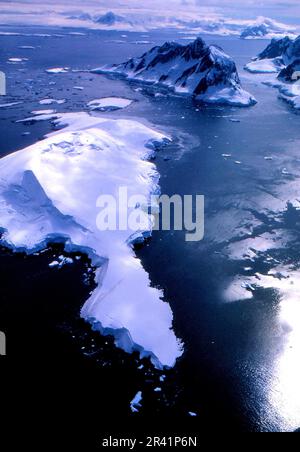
(76, 33)
(61, 262)
(109, 103)
(157, 389)
(191, 413)
(58, 70)
(12, 104)
(162, 378)
(268, 158)
(50, 101)
(135, 404)
(142, 42)
(42, 112)
(79, 88)
(38, 118)
(17, 60)
(226, 155)
(237, 162)
(27, 47)
(65, 260)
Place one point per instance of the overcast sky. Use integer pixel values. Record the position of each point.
(284, 10)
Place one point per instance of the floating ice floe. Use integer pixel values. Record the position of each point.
(52, 101)
(136, 403)
(49, 192)
(62, 260)
(58, 70)
(27, 47)
(38, 118)
(17, 60)
(109, 103)
(141, 42)
(43, 112)
(76, 33)
(11, 104)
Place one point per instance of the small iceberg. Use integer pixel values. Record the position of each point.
(109, 103)
(58, 70)
(136, 402)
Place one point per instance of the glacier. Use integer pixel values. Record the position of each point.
(204, 72)
(48, 194)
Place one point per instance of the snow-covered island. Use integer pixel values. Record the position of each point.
(281, 56)
(267, 28)
(205, 72)
(49, 193)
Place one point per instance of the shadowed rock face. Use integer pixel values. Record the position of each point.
(108, 19)
(192, 69)
(288, 52)
(254, 31)
(288, 73)
(276, 48)
(286, 48)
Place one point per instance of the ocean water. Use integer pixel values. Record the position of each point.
(239, 371)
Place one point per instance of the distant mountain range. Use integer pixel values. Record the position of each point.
(261, 28)
(266, 28)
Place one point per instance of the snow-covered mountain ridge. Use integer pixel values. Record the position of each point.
(196, 69)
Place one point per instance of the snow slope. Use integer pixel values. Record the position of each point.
(267, 28)
(266, 66)
(49, 192)
(205, 72)
(281, 56)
